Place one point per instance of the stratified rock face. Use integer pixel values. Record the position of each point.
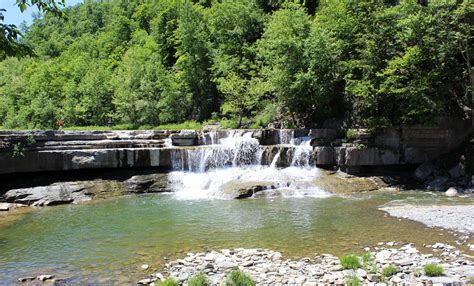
(370, 157)
(185, 138)
(325, 156)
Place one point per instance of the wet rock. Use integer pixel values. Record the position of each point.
(457, 171)
(438, 184)
(44, 277)
(26, 279)
(242, 190)
(424, 171)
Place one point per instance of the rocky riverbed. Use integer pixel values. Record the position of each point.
(269, 267)
(455, 217)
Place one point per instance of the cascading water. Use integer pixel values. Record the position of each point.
(235, 162)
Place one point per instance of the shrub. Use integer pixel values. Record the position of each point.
(352, 281)
(350, 262)
(433, 269)
(351, 133)
(169, 282)
(238, 278)
(389, 271)
(198, 280)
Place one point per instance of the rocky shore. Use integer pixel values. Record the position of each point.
(459, 217)
(269, 267)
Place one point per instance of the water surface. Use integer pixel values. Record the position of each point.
(107, 241)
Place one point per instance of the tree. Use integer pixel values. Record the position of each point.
(10, 40)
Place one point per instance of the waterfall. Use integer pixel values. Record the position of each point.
(228, 162)
(303, 154)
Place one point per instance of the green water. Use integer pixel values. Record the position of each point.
(107, 241)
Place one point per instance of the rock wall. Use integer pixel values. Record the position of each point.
(38, 151)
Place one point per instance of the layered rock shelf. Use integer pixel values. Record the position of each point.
(37, 151)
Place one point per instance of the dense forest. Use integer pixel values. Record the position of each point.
(243, 63)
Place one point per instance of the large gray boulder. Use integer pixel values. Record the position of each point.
(154, 183)
(424, 171)
(55, 194)
(439, 184)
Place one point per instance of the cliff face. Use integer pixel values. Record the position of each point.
(38, 151)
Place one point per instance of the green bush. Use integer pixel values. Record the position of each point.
(433, 269)
(350, 262)
(238, 278)
(389, 271)
(169, 282)
(198, 280)
(351, 133)
(352, 281)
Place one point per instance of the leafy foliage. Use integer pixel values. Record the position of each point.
(244, 62)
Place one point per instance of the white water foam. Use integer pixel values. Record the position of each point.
(286, 182)
(206, 172)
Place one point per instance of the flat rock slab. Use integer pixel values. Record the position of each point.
(459, 217)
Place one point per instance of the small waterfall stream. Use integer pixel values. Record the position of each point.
(235, 161)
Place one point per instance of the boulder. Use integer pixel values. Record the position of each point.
(424, 171)
(438, 184)
(451, 192)
(153, 183)
(63, 193)
(242, 190)
(457, 171)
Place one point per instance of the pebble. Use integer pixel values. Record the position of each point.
(145, 266)
(268, 267)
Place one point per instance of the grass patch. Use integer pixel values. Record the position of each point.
(169, 282)
(389, 271)
(199, 280)
(369, 263)
(238, 278)
(353, 281)
(190, 125)
(349, 262)
(433, 269)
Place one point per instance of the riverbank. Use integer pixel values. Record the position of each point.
(455, 217)
(386, 264)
